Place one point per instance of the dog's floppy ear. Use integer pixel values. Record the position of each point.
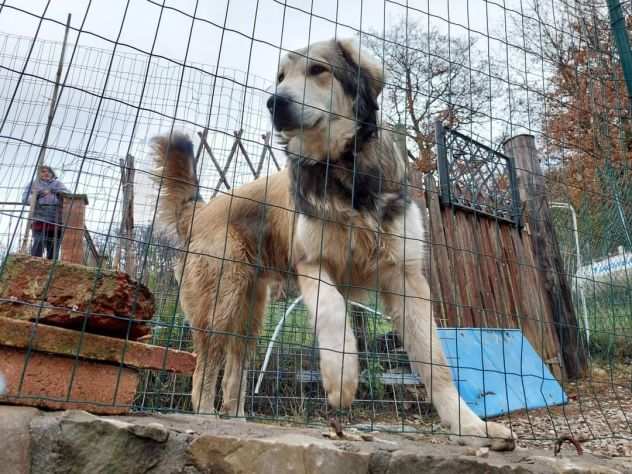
(368, 64)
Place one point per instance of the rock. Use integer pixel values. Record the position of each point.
(15, 451)
(77, 442)
(276, 454)
(411, 463)
(61, 294)
(572, 466)
(482, 452)
(599, 373)
(153, 431)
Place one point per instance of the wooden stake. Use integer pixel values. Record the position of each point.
(49, 123)
(221, 172)
(549, 265)
(127, 217)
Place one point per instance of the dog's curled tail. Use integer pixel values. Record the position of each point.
(177, 181)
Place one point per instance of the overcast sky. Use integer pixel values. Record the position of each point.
(246, 35)
(232, 24)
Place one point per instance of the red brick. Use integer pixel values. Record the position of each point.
(23, 334)
(73, 218)
(96, 386)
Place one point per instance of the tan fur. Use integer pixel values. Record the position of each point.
(239, 244)
(182, 186)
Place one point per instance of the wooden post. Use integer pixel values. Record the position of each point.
(54, 98)
(204, 144)
(229, 160)
(73, 209)
(126, 231)
(49, 123)
(550, 268)
(419, 185)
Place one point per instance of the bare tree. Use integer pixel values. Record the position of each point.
(582, 112)
(429, 75)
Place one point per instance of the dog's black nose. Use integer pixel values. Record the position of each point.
(280, 108)
(277, 102)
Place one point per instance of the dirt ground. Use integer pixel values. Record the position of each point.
(598, 416)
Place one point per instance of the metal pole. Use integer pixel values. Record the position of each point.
(582, 297)
(622, 40)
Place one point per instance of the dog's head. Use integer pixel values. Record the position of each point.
(324, 82)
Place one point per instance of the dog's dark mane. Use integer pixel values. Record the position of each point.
(348, 178)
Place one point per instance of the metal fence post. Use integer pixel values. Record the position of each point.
(622, 40)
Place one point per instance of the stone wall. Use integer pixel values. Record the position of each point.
(77, 442)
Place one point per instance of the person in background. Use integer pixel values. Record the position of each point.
(45, 225)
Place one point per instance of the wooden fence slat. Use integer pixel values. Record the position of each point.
(489, 281)
(480, 290)
(455, 254)
(461, 229)
(484, 273)
(501, 287)
(417, 194)
(512, 277)
(439, 253)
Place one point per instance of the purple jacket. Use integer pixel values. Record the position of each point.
(47, 199)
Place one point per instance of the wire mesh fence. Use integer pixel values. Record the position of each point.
(513, 124)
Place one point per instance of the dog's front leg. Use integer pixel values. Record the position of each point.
(336, 341)
(407, 298)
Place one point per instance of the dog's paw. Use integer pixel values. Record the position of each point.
(207, 413)
(493, 435)
(501, 437)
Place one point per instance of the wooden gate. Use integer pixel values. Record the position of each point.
(495, 260)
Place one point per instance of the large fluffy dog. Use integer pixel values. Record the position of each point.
(337, 217)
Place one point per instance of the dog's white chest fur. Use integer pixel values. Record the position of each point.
(358, 246)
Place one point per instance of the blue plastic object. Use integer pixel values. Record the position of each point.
(494, 385)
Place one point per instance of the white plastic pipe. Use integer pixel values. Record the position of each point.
(277, 330)
(275, 334)
(565, 205)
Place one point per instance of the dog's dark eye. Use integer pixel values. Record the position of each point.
(280, 78)
(316, 69)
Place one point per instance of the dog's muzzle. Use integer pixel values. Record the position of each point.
(280, 107)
